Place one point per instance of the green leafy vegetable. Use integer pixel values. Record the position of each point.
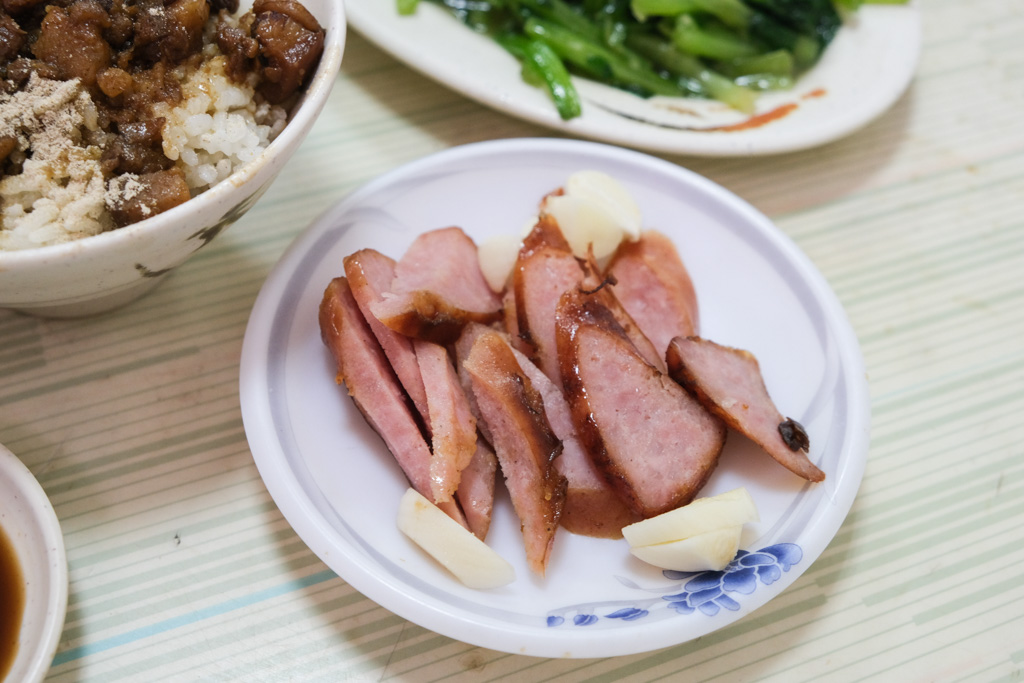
(727, 50)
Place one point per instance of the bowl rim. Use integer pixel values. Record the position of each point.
(37, 513)
(304, 116)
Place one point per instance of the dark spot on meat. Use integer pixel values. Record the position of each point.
(793, 434)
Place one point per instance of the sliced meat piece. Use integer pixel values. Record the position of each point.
(374, 388)
(653, 442)
(655, 288)
(523, 442)
(597, 285)
(462, 347)
(592, 507)
(452, 425)
(539, 278)
(476, 489)
(545, 269)
(545, 235)
(511, 322)
(370, 274)
(728, 382)
(438, 288)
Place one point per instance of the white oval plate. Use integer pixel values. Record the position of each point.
(861, 74)
(31, 526)
(339, 487)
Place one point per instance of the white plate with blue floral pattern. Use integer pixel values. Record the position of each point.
(338, 486)
(861, 74)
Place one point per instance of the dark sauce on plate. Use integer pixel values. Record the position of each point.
(12, 603)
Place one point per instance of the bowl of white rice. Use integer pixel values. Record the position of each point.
(60, 253)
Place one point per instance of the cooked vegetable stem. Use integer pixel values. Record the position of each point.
(723, 49)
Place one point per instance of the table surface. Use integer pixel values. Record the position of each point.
(182, 567)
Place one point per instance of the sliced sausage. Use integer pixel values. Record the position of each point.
(452, 424)
(652, 441)
(728, 382)
(592, 507)
(655, 288)
(523, 441)
(370, 274)
(476, 489)
(540, 277)
(373, 387)
(438, 288)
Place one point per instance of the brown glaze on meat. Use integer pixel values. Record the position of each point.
(602, 289)
(370, 274)
(16, 7)
(452, 424)
(438, 288)
(12, 38)
(71, 41)
(240, 48)
(156, 192)
(523, 441)
(652, 441)
(137, 149)
(371, 384)
(728, 382)
(592, 507)
(169, 32)
(655, 288)
(476, 490)
(545, 235)
(290, 42)
(540, 276)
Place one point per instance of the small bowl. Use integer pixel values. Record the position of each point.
(31, 526)
(105, 271)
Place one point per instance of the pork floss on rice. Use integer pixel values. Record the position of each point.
(112, 111)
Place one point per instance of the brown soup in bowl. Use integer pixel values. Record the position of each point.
(12, 603)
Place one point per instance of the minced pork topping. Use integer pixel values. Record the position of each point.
(113, 111)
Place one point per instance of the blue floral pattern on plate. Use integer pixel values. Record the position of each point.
(706, 592)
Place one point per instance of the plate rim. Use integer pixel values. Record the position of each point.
(317, 532)
(745, 143)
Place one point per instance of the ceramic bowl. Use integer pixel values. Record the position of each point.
(31, 526)
(105, 271)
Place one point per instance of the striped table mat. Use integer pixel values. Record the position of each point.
(183, 569)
